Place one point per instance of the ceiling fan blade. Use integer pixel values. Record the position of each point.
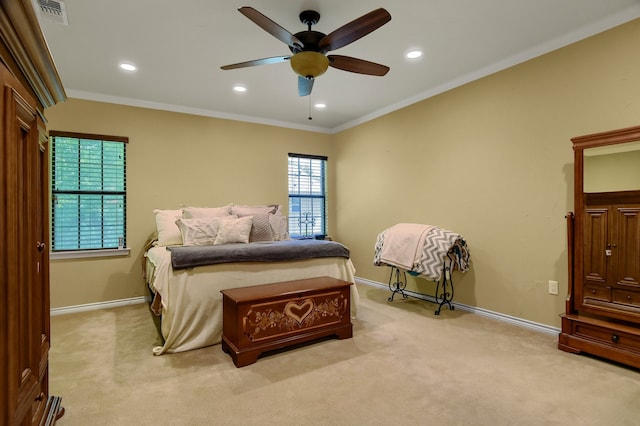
(304, 86)
(271, 27)
(263, 61)
(354, 30)
(360, 66)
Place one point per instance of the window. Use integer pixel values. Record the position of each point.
(307, 195)
(88, 188)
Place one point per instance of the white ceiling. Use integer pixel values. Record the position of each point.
(179, 46)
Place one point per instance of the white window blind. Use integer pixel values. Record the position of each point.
(307, 195)
(88, 177)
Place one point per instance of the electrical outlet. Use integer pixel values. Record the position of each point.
(553, 287)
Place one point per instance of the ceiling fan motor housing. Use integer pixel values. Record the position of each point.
(308, 61)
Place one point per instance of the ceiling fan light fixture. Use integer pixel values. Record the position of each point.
(309, 64)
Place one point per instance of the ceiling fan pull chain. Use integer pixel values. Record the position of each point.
(309, 97)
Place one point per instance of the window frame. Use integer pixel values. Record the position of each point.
(308, 196)
(86, 252)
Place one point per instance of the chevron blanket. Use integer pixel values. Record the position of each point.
(434, 249)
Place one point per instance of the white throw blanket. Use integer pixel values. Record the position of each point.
(423, 249)
(402, 243)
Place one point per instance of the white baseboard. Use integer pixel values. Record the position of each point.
(543, 328)
(98, 305)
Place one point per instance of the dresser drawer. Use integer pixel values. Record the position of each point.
(608, 336)
(627, 297)
(596, 292)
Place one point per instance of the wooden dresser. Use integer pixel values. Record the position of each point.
(30, 83)
(262, 318)
(603, 305)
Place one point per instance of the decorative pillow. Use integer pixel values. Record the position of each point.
(199, 231)
(261, 229)
(193, 212)
(168, 231)
(279, 226)
(234, 230)
(242, 211)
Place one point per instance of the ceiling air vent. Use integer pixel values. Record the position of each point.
(54, 11)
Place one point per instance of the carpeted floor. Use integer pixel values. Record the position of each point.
(404, 366)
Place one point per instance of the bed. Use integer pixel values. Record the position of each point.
(187, 295)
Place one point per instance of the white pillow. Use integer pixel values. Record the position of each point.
(252, 210)
(168, 231)
(234, 230)
(199, 231)
(193, 212)
(280, 227)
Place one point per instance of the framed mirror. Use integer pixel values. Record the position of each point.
(612, 168)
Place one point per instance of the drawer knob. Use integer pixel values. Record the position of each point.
(615, 338)
(628, 297)
(593, 291)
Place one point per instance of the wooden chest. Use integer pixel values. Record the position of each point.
(266, 317)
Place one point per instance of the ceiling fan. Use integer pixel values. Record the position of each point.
(309, 48)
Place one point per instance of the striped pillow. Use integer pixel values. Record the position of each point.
(261, 229)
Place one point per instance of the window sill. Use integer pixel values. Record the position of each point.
(78, 254)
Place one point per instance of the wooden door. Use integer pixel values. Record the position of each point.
(627, 238)
(596, 288)
(596, 236)
(41, 197)
(22, 229)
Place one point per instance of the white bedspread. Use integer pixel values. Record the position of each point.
(192, 302)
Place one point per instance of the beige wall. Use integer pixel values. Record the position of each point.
(491, 160)
(172, 160)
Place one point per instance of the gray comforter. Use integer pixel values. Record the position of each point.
(267, 251)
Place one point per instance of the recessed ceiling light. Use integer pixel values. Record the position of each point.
(127, 67)
(320, 105)
(414, 54)
(239, 89)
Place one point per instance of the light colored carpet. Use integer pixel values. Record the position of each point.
(404, 366)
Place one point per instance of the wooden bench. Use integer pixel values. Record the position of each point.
(266, 317)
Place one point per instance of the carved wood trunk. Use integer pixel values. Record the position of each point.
(266, 317)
